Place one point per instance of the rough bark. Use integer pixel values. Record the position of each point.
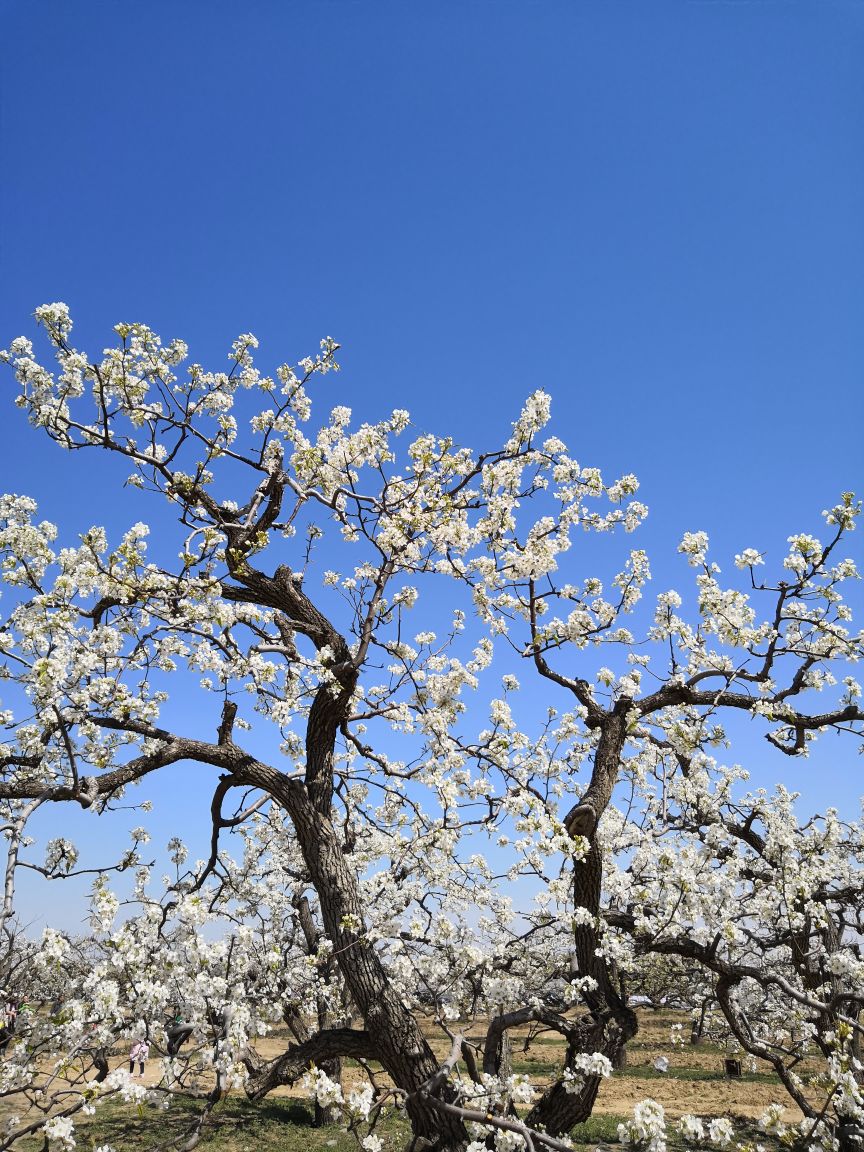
(395, 1035)
(398, 1041)
(610, 1023)
(331, 1066)
(319, 1049)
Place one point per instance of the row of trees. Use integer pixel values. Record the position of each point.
(347, 604)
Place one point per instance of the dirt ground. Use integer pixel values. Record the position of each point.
(707, 1092)
(677, 1093)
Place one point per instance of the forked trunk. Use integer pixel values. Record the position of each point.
(610, 1025)
(398, 1040)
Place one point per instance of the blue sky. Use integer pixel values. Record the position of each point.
(654, 211)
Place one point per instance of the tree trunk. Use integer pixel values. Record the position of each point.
(698, 1029)
(499, 1061)
(324, 1116)
(402, 1048)
(330, 1115)
(610, 1024)
(396, 1037)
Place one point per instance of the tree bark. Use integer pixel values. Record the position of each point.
(400, 1044)
(395, 1035)
(610, 1023)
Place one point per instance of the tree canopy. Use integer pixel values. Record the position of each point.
(368, 745)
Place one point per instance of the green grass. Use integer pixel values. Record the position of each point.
(596, 1130)
(679, 1072)
(236, 1125)
(285, 1125)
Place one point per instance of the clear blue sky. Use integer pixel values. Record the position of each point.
(653, 210)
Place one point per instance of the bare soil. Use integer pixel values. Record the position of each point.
(695, 1081)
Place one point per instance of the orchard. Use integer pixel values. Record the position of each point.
(360, 620)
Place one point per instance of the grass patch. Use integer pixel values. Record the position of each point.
(596, 1130)
(663, 1042)
(286, 1125)
(280, 1124)
(679, 1072)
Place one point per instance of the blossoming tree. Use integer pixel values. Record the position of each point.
(385, 830)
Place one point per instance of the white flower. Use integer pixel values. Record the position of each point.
(720, 1132)
(771, 1120)
(585, 1064)
(691, 1128)
(694, 545)
(326, 1091)
(360, 1103)
(506, 1141)
(54, 316)
(58, 1132)
(647, 1129)
(748, 558)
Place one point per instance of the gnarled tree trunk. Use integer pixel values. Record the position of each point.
(609, 1023)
